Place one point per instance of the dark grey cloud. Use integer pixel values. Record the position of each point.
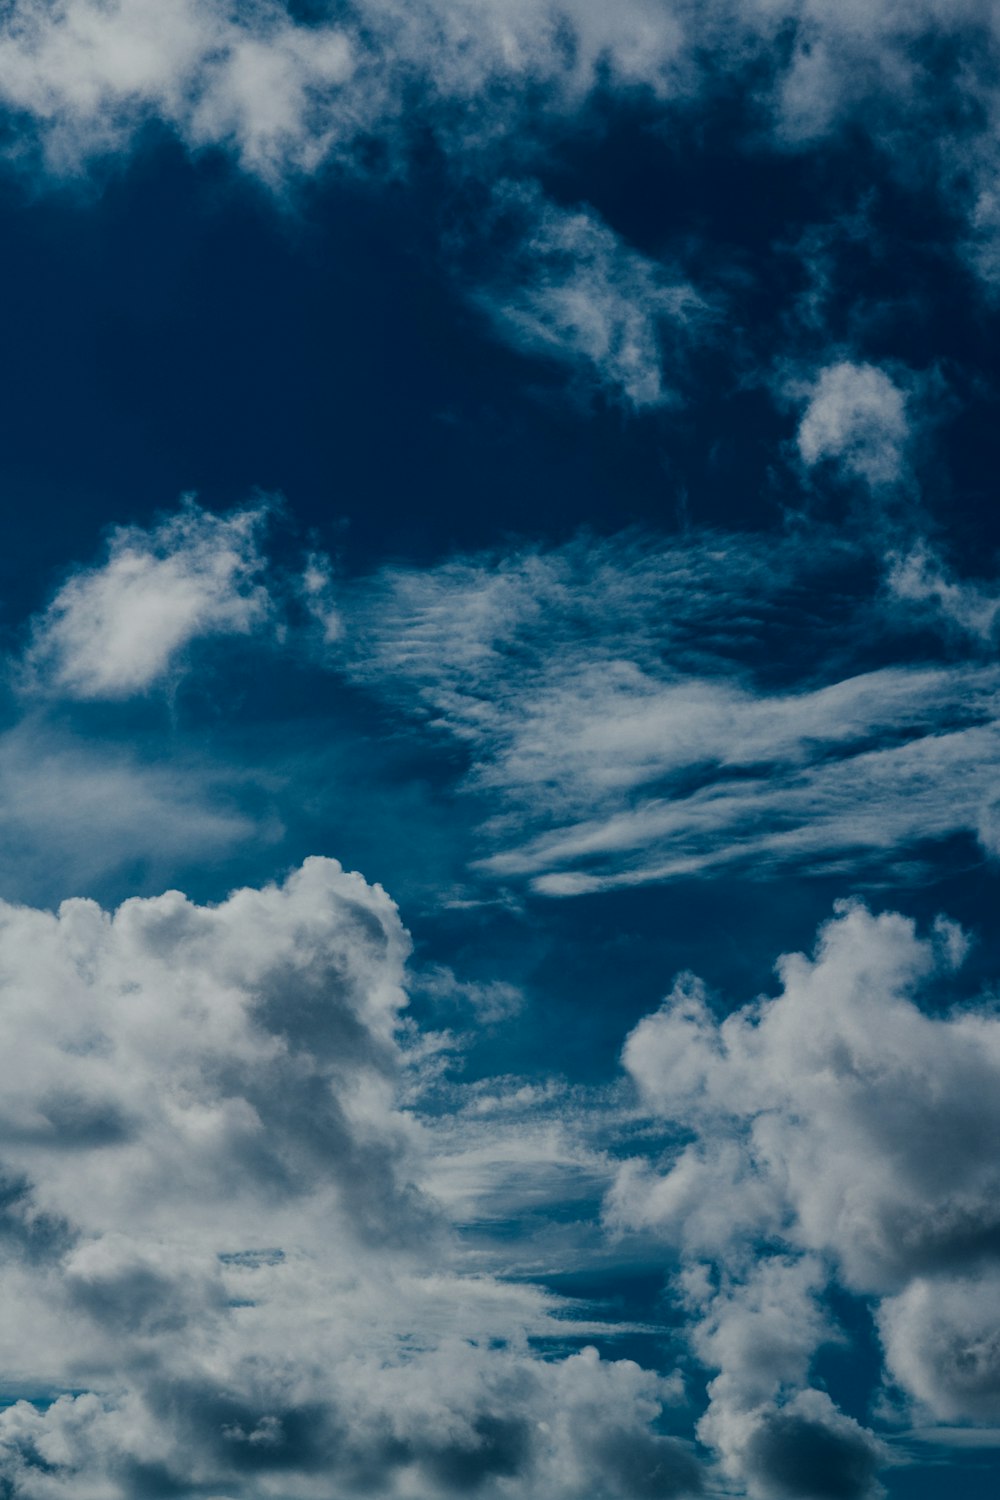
(795, 1454)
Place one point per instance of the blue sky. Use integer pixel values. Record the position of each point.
(499, 719)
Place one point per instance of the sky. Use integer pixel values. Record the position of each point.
(499, 728)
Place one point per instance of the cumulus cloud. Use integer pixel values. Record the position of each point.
(850, 1132)
(223, 1270)
(119, 627)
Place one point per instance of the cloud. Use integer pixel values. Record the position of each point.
(835, 1134)
(223, 1268)
(617, 704)
(922, 582)
(856, 418)
(78, 813)
(939, 1345)
(119, 628)
(289, 94)
(282, 88)
(573, 292)
(90, 74)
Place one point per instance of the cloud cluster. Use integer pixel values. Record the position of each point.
(355, 87)
(221, 1271)
(284, 89)
(836, 1133)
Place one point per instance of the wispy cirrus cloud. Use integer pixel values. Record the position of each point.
(611, 701)
(572, 292)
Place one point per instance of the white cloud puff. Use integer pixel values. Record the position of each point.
(119, 628)
(856, 417)
(922, 583)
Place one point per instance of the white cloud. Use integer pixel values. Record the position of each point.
(493, 77)
(573, 292)
(120, 627)
(851, 1133)
(856, 418)
(605, 694)
(940, 1345)
(922, 582)
(75, 813)
(215, 1228)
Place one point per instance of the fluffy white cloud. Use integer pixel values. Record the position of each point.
(856, 417)
(942, 1345)
(214, 1230)
(850, 1132)
(119, 627)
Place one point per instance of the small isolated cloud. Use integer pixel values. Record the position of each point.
(119, 628)
(852, 1133)
(856, 418)
(572, 291)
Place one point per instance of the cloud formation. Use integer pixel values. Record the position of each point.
(119, 628)
(838, 1133)
(612, 698)
(222, 1272)
(357, 87)
(572, 292)
(855, 417)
